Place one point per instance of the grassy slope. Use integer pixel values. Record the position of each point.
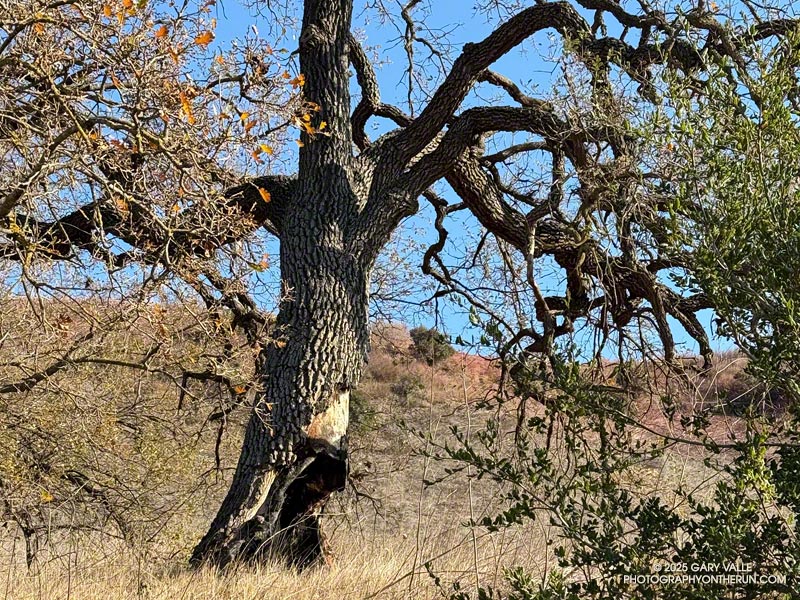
(383, 530)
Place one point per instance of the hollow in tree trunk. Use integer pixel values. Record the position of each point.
(295, 449)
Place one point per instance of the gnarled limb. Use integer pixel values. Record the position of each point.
(370, 103)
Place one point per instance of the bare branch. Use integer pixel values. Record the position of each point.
(370, 103)
(477, 57)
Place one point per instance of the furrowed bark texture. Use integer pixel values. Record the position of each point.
(295, 449)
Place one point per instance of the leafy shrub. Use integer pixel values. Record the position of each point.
(726, 527)
(610, 534)
(430, 345)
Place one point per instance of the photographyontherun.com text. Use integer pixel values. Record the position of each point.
(729, 574)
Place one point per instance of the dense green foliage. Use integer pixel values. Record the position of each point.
(591, 468)
(737, 207)
(430, 345)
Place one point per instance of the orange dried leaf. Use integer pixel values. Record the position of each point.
(249, 125)
(161, 32)
(127, 4)
(38, 28)
(186, 106)
(107, 10)
(243, 116)
(298, 81)
(204, 39)
(239, 389)
(255, 154)
(265, 195)
(219, 60)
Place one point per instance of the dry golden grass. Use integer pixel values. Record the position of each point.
(125, 577)
(390, 568)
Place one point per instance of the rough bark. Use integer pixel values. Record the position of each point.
(602, 222)
(295, 449)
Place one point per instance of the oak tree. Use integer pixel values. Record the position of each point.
(106, 129)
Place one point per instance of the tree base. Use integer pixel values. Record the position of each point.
(288, 526)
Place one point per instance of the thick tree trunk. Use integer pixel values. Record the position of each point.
(295, 448)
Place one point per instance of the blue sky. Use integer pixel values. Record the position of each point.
(529, 67)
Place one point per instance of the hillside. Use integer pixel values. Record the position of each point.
(115, 470)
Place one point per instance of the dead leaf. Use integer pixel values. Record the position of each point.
(204, 39)
(186, 106)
